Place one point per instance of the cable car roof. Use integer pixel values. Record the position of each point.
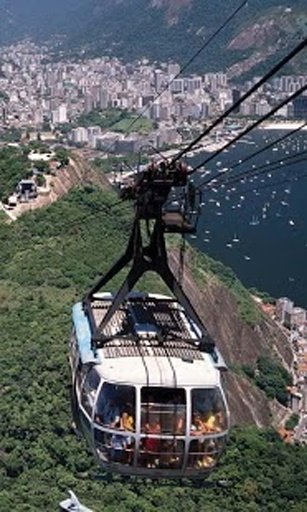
(160, 371)
(138, 351)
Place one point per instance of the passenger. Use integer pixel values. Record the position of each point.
(152, 445)
(210, 456)
(179, 427)
(211, 423)
(171, 456)
(197, 427)
(118, 447)
(111, 415)
(127, 420)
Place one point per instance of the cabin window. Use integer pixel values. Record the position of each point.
(89, 390)
(115, 407)
(116, 448)
(163, 411)
(204, 453)
(161, 453)
(208, 412)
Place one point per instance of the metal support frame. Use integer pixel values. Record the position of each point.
(152, 257)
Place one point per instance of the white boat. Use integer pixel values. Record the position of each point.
(247, 258)
(255, 221)
(291, 222)
(235, 238)
(229, 245)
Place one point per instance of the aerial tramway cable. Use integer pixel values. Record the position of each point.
(274, 184)
(183, 68)
(301, 46)
(189, 62)
(271, 167)
(267, 146)
(252, 126)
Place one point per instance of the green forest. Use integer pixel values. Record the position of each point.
(48, 259)
(14, 166)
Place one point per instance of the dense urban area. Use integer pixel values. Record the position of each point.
(84, 100)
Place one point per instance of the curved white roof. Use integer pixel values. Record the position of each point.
(159, 371)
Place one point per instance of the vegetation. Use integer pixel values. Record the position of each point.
(14, 166)
(47, 260)
(203, 267)
(115, 119)
(266, 297)
(117, 162)
(270, 376)
(292, 422)
(11, 135)
(62, 155)
(123, 31)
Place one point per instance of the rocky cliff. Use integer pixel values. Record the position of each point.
(239, 343)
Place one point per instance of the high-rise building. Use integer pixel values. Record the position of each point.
(177, 86)
(300, 107)
(158, 79)
(104, 98)
(62, 113)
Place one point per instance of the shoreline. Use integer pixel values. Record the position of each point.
(283, 125)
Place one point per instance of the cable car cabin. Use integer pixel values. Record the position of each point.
(149, 402)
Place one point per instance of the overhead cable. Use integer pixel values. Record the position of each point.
(267, 146)
(184, 67)
(266, 168)
(235, 105)
(189, 62)
(247, 130)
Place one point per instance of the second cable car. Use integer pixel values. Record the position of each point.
(146, 377)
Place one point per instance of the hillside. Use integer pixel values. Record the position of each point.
(48, 258)
(175, 29)
(163, 30)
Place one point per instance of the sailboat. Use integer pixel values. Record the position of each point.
(254, 221)
(235, 238)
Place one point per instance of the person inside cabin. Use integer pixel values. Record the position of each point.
(108, 415)
(211, 422)
(208, 415)
(118, 447)
(152, 445)
(178, 415)
(209, 456)
(197, 425)
(127, 419)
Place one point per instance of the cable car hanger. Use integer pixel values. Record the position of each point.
(150, 190)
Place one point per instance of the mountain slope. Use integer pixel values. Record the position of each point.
(169, 29)
(163, 29)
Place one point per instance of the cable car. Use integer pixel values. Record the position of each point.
(146, 377)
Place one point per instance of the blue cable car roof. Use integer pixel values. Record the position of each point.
(83, 335)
